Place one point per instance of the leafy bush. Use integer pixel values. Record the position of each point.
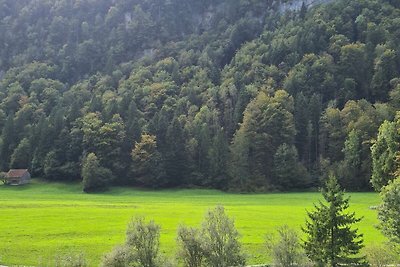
(141, 248)
(380, 255)
(120, 256)
(71, 260)
(190, 246)
(286, 250)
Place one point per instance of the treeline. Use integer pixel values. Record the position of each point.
(223, 94)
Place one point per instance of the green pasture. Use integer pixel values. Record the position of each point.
(41, 220)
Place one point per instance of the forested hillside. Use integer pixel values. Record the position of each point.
(233, 94)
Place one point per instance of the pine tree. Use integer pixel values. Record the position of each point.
(331, 241)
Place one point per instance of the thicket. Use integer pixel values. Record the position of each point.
(224, 94)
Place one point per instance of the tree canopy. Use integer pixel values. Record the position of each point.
(231, 91)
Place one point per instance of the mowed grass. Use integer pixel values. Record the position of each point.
(42, 220)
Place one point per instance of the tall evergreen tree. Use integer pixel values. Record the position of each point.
(331, 240)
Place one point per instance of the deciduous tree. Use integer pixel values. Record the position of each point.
(95, 177)
(389, 211)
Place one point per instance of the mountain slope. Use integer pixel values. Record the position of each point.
(227, 94)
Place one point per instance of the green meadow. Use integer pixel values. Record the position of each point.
(42, 220)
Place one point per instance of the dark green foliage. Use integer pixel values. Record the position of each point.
(147, 162)
(203, 77)
(95, 177)
(21, 157)
(331, 238)
(267, 124)
(293, 177)
(352, 160)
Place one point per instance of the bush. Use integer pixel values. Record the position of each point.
(286, 251)
(216, 244)
(3, 178)
(141, 248)
(220, 240)
(380, 255)
(119, 257)
(71, 260)
(190, 246)
(144, 240)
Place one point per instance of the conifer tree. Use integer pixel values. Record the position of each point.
(331, 240)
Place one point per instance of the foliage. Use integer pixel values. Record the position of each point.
(267, 124)
(143, 240)
(287, 178)
(221, 85)
(220, 240)
(141, 248)
(94, 176)
(380, 255)
(330, 240)
(384, 153)
(3, 177)
(190, 246)
(71, 260)
(120, 256)
(147, 162)
(389, 211)
(21, 157)
(286, 250)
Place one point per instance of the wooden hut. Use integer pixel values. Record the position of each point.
(18, 177)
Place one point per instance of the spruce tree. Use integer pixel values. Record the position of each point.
(331, 240)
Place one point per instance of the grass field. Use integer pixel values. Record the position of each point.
(41, 220)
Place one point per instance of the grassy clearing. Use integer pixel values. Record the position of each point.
(40, 220)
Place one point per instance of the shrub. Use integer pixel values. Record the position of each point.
(141, 248)
(380, 255)
(144, 240)
(190, 246)
(220, 240)
(120, 256)
(70, 260)
(287, 250)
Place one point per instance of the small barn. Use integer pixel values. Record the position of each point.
(18, 177)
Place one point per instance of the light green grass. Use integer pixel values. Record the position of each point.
(40, 220)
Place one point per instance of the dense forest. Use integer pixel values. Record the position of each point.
(230, 94)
